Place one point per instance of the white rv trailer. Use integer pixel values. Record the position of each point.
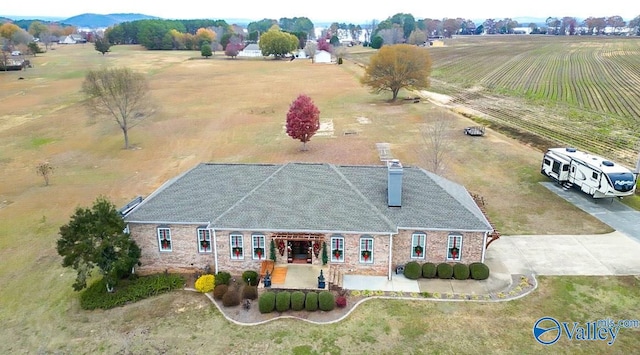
(594, 175)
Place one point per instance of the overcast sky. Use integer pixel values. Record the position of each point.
(326, 10)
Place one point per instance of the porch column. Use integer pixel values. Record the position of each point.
(215, 250)
(390, 254)
(484, 246)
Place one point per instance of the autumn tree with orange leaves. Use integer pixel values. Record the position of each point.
(398, 66)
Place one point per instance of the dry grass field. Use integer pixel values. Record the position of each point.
(226, 110)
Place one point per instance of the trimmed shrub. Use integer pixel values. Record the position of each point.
(311, 302)
(326, 301)
(460, 271)
(223, 278)
(429, 270)
(219, 291)
(412, 270)
(445, 271)
(297, 300)
(283, 301)
(250, 277)
(205, 283)
(267, 302)
(341, 301)
(479, 271)
(231, 298)
(250, 292)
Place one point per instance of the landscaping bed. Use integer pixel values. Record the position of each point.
(520, 286)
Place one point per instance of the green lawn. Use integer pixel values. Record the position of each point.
(185, 321)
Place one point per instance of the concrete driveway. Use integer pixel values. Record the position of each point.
(610, 211)
(607, 254)
(616, 253)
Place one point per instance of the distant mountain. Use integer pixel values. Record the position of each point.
(99, 21)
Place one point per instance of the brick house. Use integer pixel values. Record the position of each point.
(372, 218)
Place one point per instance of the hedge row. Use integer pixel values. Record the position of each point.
(477, 271)
(128, 290)
(284, 300)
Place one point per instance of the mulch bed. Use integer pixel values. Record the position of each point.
(520, 286)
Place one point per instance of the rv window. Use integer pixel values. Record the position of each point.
(573, 169)
(622, 182)
(565, 168)
(547, 162)
(594, 175)
(556, 167)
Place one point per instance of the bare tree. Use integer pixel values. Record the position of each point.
(310, 49)
(340, 52)
(119, 93)
(436, 141)
(45, 170)
(391, 35)
(417, 37)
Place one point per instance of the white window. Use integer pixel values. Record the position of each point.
(418, 245)
(237, 251)
(259, 252)
(454, 247)
(204, 240)
(337, 248)
(164, 238)
(366, 250)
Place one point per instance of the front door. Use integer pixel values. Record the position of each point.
(299, 252)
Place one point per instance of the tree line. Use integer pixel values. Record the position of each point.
(168, 34)
(404, 28)
(160, 34)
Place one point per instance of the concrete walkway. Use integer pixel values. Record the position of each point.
(499, 279)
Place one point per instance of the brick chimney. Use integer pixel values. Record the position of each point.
(394, 183)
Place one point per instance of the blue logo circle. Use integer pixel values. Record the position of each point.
(548, 326)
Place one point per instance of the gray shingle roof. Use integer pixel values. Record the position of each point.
(309, 197)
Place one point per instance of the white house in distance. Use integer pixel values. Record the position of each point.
(522, 30)
(322, 56)
(251, 50)
(72, 39)
(301, 54)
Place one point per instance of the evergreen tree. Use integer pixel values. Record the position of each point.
(272, 251)
(325, 257)
(102, 45)
(205, 50)
(95, 237)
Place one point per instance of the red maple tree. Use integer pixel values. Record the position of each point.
(303, 119)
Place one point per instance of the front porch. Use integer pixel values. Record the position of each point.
(297, 276)
(305, 277)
